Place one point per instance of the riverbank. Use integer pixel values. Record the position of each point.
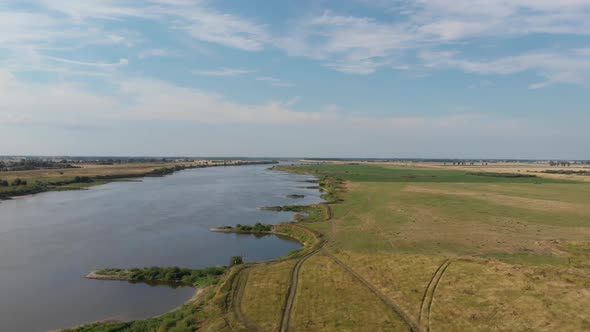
(26, 183)
(216, 311)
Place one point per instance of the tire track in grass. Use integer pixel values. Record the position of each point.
(234, 301)
(292, 290)
(428, 296)
(440, 275)
(384, 298)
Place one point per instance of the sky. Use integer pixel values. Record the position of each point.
(296, 78)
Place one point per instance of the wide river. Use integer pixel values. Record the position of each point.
(49, 241)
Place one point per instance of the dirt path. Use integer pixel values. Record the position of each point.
(233, 302)
(384, 298)
(428, 296)
(292, 290)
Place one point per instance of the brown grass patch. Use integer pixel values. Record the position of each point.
(329, 299)
(514, 201)
(489, 295)
(265, 293)
(402, 278)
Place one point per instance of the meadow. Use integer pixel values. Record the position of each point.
(419, 248)
(515, 246)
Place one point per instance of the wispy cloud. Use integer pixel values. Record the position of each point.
(569, 66)
(122, 62)
(223, 72)
(347, 43)
(274, 81)
(155, 52)
(362, 45)
(147, 99)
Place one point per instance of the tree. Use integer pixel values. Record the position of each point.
(236, 260)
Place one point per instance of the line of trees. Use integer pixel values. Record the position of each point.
(560, 163)
(32, 164)
(14, 183)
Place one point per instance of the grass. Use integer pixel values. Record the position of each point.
(184, 319)
(329, 299)
(517, 245)
(195, 278)
(265, 293)
(503, 175)
(517, 242)
(489, 295)
(69, 178)
(375, 173)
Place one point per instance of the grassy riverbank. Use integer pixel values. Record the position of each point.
(421, 248)
(453, 250)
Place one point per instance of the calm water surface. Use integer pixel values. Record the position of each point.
(48, 241)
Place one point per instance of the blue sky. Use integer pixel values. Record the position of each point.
(356, 78)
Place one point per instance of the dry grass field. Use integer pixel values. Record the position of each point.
(516, 249)
(422, 248)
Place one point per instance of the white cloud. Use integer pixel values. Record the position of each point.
(346, 43)
(52, 113)
(144, 99)
(122, 62)
(223, 72)
(572, 66)
(361, 45)
(155, 52)
(58, 103)
(274, 81)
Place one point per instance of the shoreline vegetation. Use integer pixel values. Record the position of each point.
(26, 183)
(348, 256)
(295, 196)
(198, 278)
(219, 284)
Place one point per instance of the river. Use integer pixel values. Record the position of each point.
(49, 241)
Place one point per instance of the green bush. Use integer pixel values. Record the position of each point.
(201, 278)
(236, 260)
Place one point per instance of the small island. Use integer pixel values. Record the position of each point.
(257, 228)
(295, 196)
(172, 275)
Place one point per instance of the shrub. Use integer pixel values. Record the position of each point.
(236, 260)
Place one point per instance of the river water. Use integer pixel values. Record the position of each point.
(49, 241)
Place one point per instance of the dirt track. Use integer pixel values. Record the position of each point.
(292, 290)
(428, 296)
(384, 298)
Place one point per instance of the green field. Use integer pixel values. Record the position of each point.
(400, 248)
(374, 173)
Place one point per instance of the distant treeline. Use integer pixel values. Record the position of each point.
(14, 183)
(567, 172)
(33, 164)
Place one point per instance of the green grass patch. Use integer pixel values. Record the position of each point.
(375, 173)
(525, 258)
(184, 319)
(566, 172)
(503, 175)
(196, 278)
